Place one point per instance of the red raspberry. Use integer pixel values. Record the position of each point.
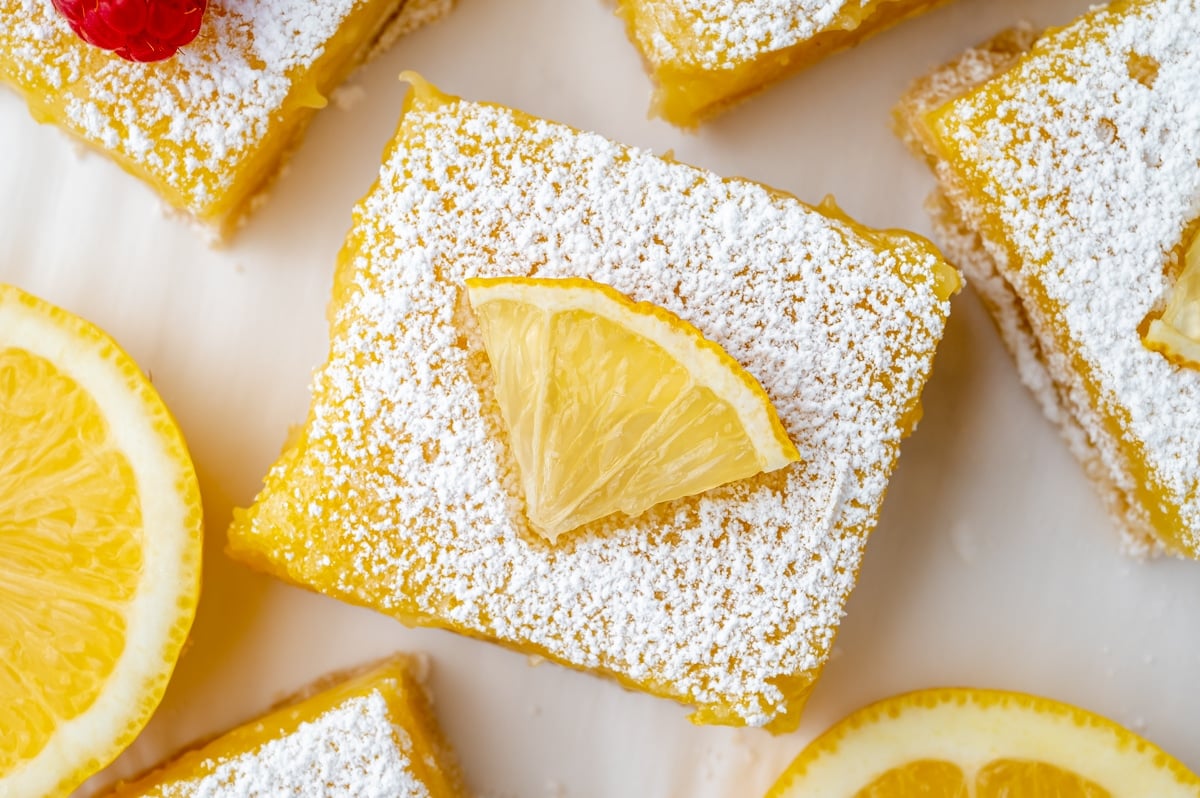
(136, 30)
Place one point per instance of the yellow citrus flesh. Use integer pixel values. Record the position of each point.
(613, 405)
(1177, 333)
(961, 743)
(99, 547)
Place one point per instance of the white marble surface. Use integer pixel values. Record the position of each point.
(993, 565)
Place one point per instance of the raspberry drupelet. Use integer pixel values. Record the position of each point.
(136, 30)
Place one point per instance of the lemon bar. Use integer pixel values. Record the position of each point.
(1069, 191)
(208, 128)
(359, 735)
(400, 493)
(706, 55)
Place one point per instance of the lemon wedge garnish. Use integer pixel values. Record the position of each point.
(961, 743)
(100, 547)
(1176, 334)
(613, 405)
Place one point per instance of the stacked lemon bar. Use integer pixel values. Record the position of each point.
(1069, 190)
(705, 55)
(208, 128)
(365, 734)
(401, 492)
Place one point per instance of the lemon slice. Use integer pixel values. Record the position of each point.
(613, 405)
(100, 548)
(959, 743)
(1177, 334)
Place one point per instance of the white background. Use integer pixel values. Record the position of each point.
(993, 564)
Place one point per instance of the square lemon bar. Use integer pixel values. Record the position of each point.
(365, 734)
(399, 493)
(210, 127)
(706, 55)
(1069, 191)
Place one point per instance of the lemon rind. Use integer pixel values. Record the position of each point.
(973, 727)
(144, 430)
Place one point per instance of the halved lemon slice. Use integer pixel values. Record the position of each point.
(1177, 333)
(100, 548)
(960, 743)
(613, 405)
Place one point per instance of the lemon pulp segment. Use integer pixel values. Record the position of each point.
(1177, 333)
(70, 555)
(612, 405)
(99, 547)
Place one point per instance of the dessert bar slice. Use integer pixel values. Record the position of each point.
(1069, 190)
(400, 492)
(706, 55)
(368, 734)
(210, 127)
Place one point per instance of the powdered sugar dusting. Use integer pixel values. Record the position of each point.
(723, 33)
(352, 750)
(1094, 174)
(193, 121)
(720, 601)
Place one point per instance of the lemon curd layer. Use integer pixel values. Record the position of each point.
(705, 55)
(371, 734)
(1069, 172)
(208, 128)
(400, 492)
